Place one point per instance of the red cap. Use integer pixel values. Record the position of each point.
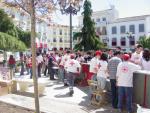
(72, 56)
(126, 57)
(98, 53)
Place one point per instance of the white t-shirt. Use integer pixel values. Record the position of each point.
(39, 59)
(102, 72)
(135, 57)
(64, 59)
(72, 65)
(94, 65)
(125, 73)
(145, 64)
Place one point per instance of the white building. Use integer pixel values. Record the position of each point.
(58, 36)
(49, 35)
(115, 31)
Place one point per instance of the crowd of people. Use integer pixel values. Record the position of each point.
(115, 65)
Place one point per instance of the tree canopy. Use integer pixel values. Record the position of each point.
(145, 41)
(10, 43)
(6, 24)
(87, 37)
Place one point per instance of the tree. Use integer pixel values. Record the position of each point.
(6, 24)
(87, 37)
(10, 43)
(25, 37)
(35, 8)
(145, 41)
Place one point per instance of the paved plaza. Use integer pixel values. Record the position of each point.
(56, 99)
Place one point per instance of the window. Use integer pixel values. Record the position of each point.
(54, 31)
(122, 29)
(123, 41)
(104, 32)
(60, 32)
(132, 29)
(98, 20)
(114, 41)
(98, 31)
(60, 40)
(132, 41)
(54, 39)
(141, 28)
(114, 30)
(48, 40)
(104, 19)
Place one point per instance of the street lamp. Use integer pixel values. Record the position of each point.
(70, 7)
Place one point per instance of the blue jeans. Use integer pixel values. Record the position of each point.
(114, 93)
(127, 93)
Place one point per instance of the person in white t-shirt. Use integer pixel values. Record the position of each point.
(94, 64)
(102, 73)
(137, 55)
(62, 72)
(73, 68)
(145, 60)
(39, 59)
(124, 76)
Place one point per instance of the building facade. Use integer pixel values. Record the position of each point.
(58, 36)
(49, 35)
(115, 31)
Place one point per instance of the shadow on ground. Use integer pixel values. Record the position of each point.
(63, 95)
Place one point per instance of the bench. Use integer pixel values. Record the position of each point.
(7, 84)
(25, 83)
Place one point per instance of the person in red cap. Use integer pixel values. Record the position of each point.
(72, 67)
(124, 75)
(94, 64)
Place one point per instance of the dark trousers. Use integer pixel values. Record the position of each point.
(22, 69)
(31, 75)
(51, 72)
(39, 70)
(45, 71)
(114, 93)
(127, 93)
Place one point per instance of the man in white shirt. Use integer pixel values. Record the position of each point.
(124, 76)
(137, 55)
(94, 64)
(64, 59)
(72, 67)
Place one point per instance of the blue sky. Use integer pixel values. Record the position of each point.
(126, 8)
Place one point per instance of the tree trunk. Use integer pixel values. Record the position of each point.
(33, 49)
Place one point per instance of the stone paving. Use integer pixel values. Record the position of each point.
(55, 99)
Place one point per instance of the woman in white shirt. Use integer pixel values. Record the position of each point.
(145, 60)
(102, 72)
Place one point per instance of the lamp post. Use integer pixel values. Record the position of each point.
(70, 7)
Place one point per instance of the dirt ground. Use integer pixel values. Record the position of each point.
(6, 108)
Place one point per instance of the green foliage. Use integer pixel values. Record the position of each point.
(6, 24)
(24, 37)
(145, 41)
(87, 37)
(10, 43)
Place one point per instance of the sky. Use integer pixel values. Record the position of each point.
(126, 8)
